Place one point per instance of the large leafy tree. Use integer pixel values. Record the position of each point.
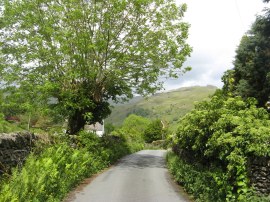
(250, 76)
(86, 52)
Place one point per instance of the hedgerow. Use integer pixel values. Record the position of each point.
(203, 183)
(196, 180)
(52, 173)
(224, 134)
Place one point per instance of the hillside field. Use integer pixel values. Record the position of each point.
(168, 106)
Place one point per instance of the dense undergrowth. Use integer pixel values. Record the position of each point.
(6, 127)
(215, 141)
(204, 184)
(51, 171)
(50, 174)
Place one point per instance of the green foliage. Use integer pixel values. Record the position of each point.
(85, 53)
(202, 184)
(157, 145)
(225, 133)
(228, 83)
(18, 104)
(50, 175)
(6, 127)
(109, 147)
(140, 112)
(250, 76)
(168, 106)
(3, 124)
(116, 147)
(205, 184)
(154, 131)
(109, 128)
(224, 124)
(132, 131)
(13, 102)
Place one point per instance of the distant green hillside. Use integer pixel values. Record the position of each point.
(168, 106)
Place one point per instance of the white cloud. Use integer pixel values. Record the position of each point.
(217, 27)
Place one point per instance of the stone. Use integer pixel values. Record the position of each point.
(14, 148)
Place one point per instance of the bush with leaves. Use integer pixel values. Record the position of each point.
(226, 133)
(6, 127)
(198, 181)
(109, 128)
(132, 131)
(204, 184)
(50, 174)
(154, 131)
(109, 147)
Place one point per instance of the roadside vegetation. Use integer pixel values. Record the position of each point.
(6, 127)
(66, 61)
(52, 170)
(72, 69)
(215, 141)
(49, 174)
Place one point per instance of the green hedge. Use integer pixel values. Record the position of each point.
(224, 133)
(205, 185)
(197, 181)
(51, 174)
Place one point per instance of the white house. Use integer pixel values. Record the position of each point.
(97, 128)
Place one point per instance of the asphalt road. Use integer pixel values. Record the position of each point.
(140, 177)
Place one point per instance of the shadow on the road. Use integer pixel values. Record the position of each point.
(142, 161)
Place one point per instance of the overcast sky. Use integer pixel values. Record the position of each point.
(217, 27)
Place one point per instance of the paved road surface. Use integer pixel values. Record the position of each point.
(140, 177)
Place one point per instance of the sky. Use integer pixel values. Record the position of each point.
(216, 28)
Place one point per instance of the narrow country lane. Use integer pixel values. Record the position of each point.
(140, 177)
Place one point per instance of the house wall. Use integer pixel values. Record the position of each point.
(98, 129)
(99, 133)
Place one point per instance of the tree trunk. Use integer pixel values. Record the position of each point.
(76, 123)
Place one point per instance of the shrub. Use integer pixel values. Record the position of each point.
(132, 132)
(6, 127)
(225, 133)
(154, 131)
(204, 184)
(51, 175)
(110, 147)
(196, 180)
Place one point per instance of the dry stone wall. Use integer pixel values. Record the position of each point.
(14, 148)
(259, 174)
